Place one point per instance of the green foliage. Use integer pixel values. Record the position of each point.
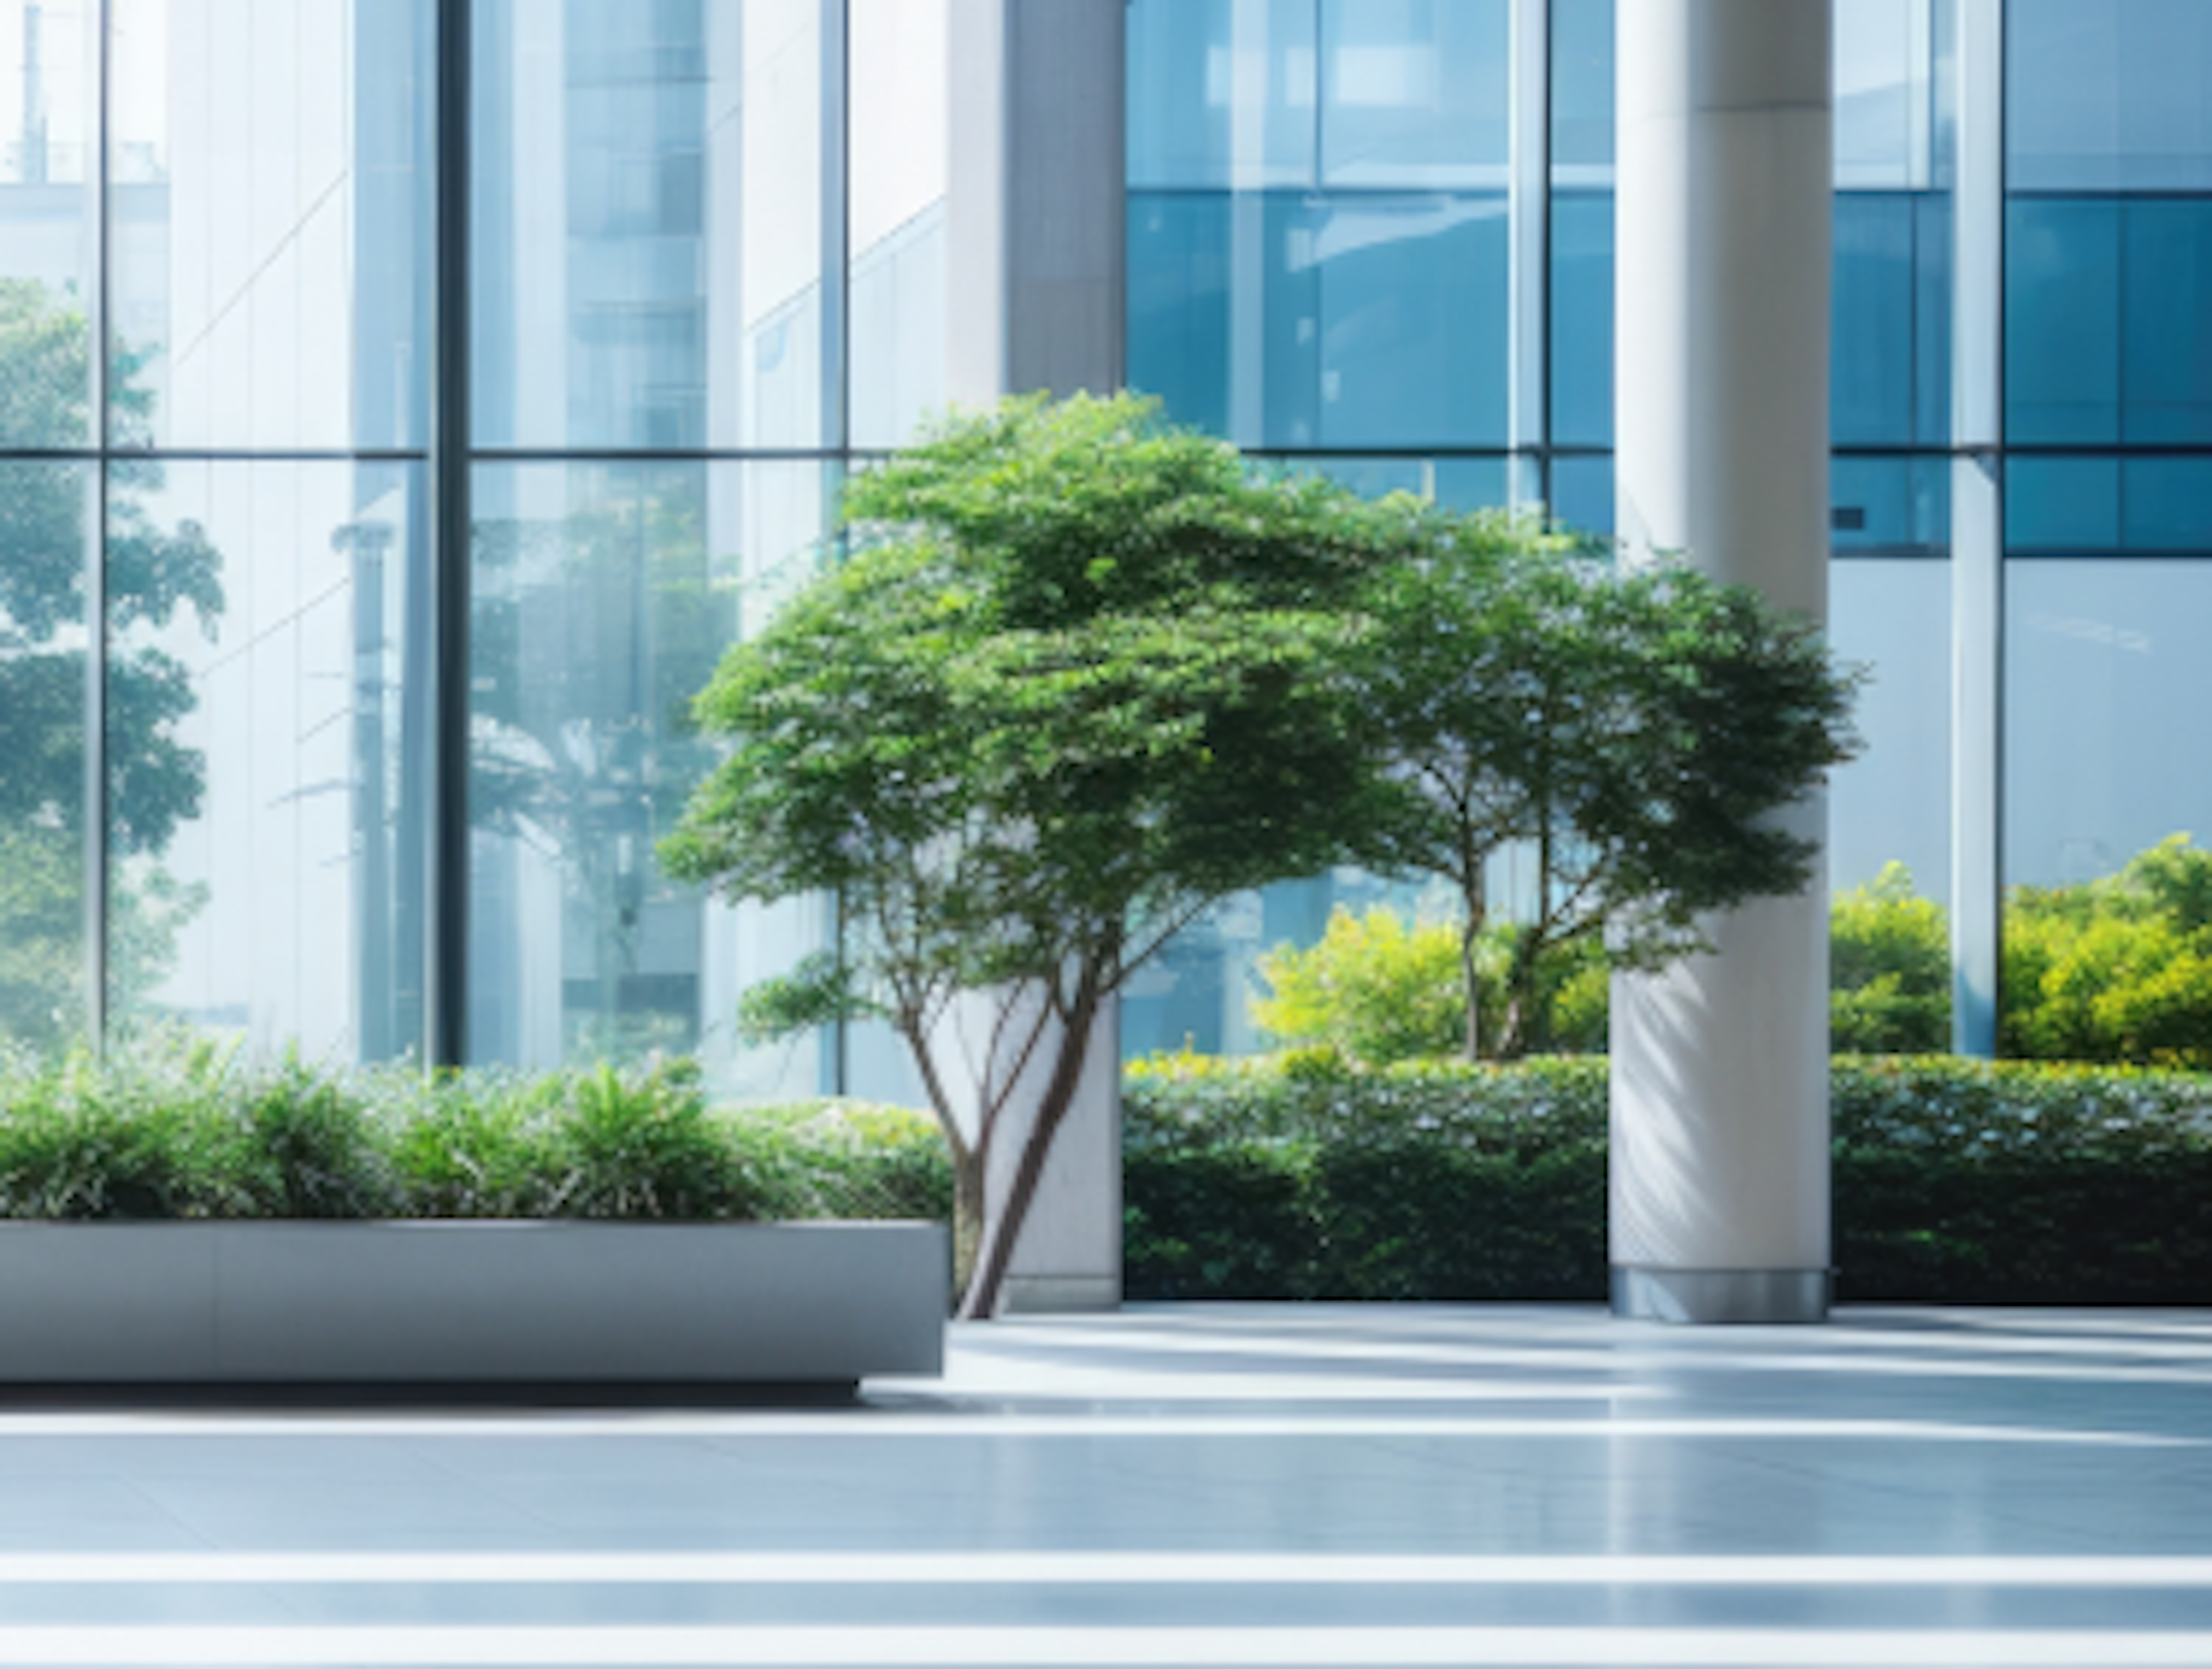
(1082, 676)
(1954, 1180)
(1889, 969)
(175, 1129)
(2118, 969)
(1374, 988)
(1632, 729)
(152, 576)
(1378, 991)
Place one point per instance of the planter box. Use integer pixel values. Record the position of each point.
(814, 1304)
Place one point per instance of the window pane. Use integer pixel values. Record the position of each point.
(1890, 507)
(1581, 92)
(1885, 94)
(268, 222)
(1414, 92)
(1413, 319)
(2062, 320)
(46, 103)
(2168, 339)
(1222, 92)
(2108, 97)
(267, 671)
(44, 525)
(2105, 675)
(1581, 322)
(1893, 803)
(897, 167)
(649, 212)
(2062, 504)
(1890, 350)
(605, 594)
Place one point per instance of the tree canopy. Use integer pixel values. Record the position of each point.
(1629, 730)
(1082, 676)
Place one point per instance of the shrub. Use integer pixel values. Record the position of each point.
(1889, 969)
(181, 1130)
(1379, 991)
(1953, 1179)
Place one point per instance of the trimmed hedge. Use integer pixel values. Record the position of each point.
(185, 1130)
(1299, 1176)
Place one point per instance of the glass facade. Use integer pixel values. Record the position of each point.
(708, 269)
(2108, 413)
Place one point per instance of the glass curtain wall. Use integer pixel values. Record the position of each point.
(2108, 518)
(694, 290)
(1324, 197)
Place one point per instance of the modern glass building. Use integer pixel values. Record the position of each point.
(404, 401)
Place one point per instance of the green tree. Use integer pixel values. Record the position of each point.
(1633, 731)
(1084, 676)
(154, 781)
(1889, 968)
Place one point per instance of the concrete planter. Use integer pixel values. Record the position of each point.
(817, 1304)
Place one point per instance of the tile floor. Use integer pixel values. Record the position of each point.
(1191, 1484)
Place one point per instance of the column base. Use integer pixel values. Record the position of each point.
(1062, 1295)
(1701, 1296)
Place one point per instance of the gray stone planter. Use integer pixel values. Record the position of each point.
(820, 1304)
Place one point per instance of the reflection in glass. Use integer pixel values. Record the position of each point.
(1415, 94)
(2108, 97)
(1221, 94)
(1371, 319)
(1582, 92)
(262, 642)
(2105, 675)
(267, 237)
(46, 119)
(44, 526)
(1893, 803)
(604, 597)
(895, 170)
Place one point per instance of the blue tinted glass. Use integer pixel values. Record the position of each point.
(2062, 504)
(2108, 96)
(2062, 320)
(1178, 282)
(2168, 339)
(1415, 93)
(1582, 493)
(1581, 318)
(1413, 321)
(1885, 94)
(1931, 317)
(1871, 362)
(1582, 84)
(2166, 504)
(1890, 507)
(1221, 93)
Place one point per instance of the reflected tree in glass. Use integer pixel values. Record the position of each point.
(154, 578)
(592, 632)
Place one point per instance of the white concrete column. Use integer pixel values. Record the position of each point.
(1720, 1094)
(1035, 229)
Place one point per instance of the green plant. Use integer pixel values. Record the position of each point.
(1378, 991)
(1631, 730)
(1953, 1179)
(1889, 968)
(1084, 676)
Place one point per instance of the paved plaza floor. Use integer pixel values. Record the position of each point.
(1187, 1484)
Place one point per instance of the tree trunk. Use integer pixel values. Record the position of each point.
(1471, 982)
(967, 1216)
(1001, 1231)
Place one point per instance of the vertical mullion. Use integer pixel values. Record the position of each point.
(1528, 206)
(833, 1072)
(447, 943)
(1978, 532)
(96, 902)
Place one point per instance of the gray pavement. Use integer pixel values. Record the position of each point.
(1186, 1483)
